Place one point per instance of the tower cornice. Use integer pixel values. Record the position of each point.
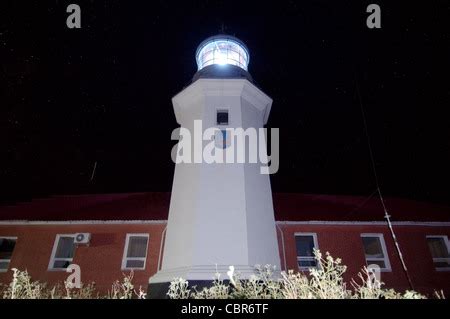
(222, 87)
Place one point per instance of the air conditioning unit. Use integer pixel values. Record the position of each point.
(82, 238)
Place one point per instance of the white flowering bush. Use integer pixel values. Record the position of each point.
(23, 287)
(324, 282)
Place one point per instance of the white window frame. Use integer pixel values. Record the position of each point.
(55, 247)
(445, 238)
(125, 258)
(316, 246)
(7, 260)
(385, 258)
(223, 109)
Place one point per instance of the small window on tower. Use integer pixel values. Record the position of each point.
(224, 139)
(222, 117)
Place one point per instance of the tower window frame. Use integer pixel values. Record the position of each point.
(222, 117)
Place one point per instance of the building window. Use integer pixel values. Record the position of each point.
(222, 117)
(306, 243)
(7, 245)
(439, 249)
(135, 252)
(63, 252)
(375, 251)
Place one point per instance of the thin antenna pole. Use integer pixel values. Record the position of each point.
(397, 246)
(386, 214)
(93, 171)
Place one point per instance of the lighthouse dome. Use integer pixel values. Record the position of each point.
(222, 50)
(222, 56)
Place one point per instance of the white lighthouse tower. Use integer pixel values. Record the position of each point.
(221, 214)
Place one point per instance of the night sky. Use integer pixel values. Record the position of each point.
(102, 93)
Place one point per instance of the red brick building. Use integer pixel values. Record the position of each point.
(127, 232)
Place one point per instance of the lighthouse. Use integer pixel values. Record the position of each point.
(221, 213)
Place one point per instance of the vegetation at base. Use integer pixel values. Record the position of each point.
(23, 287)
(324, 282)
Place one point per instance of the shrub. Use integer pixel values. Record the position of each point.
(324, 282)
(22, 287)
